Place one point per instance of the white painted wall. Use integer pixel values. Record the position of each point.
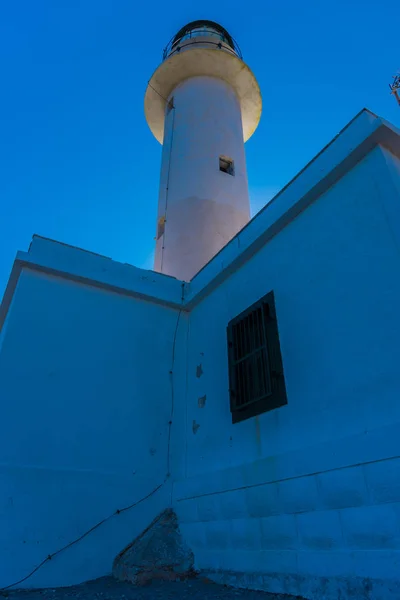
(85, 405)
(305, 499)
(204, 207)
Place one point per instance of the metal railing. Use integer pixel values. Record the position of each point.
(174, 45)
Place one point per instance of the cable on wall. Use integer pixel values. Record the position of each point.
(167, 185)
(49, 557)
(171, 374)
(119, 511)
(154, 90)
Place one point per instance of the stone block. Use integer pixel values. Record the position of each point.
(383, 480)
(237, 560)
(279, 532)
(233, 504)
(371, 527)
(313, 587)
(325, 564)
(262, 500)
(246, 534)
(381, 564)
(233, 561)
(208, 507)
(273, 583)
(346, 588)
(217, 534)
(251, 562)
(343, 488)
(193, 534)
(186, 511)
(205, 559)
(298, 495)
(158, 553)
(273, 561)
(320, 530)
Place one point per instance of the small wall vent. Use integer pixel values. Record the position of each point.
(226, 165)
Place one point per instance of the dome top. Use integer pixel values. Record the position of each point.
(205, 25)
(199, 29)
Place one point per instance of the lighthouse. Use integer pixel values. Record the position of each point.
(202, 104)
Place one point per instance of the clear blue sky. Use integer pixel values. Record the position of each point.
(77, 161)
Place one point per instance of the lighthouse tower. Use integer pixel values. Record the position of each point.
(202, 103)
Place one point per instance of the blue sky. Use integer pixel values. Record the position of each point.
(77, 161)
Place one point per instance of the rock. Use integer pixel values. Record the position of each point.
(159, 552)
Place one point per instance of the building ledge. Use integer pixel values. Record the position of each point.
(349, 147)
(68, 262)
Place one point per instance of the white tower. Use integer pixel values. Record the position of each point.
(202, 104)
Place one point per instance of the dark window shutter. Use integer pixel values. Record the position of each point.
(274, 352)
(231, 360)
(256, 379)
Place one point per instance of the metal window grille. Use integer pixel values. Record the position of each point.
(255, 364)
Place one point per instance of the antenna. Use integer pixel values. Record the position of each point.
(395, 87)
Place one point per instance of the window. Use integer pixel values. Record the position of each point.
(256, 380)
(226, 165)
(160, 227)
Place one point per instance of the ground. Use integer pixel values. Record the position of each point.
(108, 588)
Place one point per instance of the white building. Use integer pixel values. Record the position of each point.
(202, 103)
(114, 381)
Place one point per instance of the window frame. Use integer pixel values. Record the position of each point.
(277, 396)
(230, 164)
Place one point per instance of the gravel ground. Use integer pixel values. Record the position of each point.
(108, 588)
